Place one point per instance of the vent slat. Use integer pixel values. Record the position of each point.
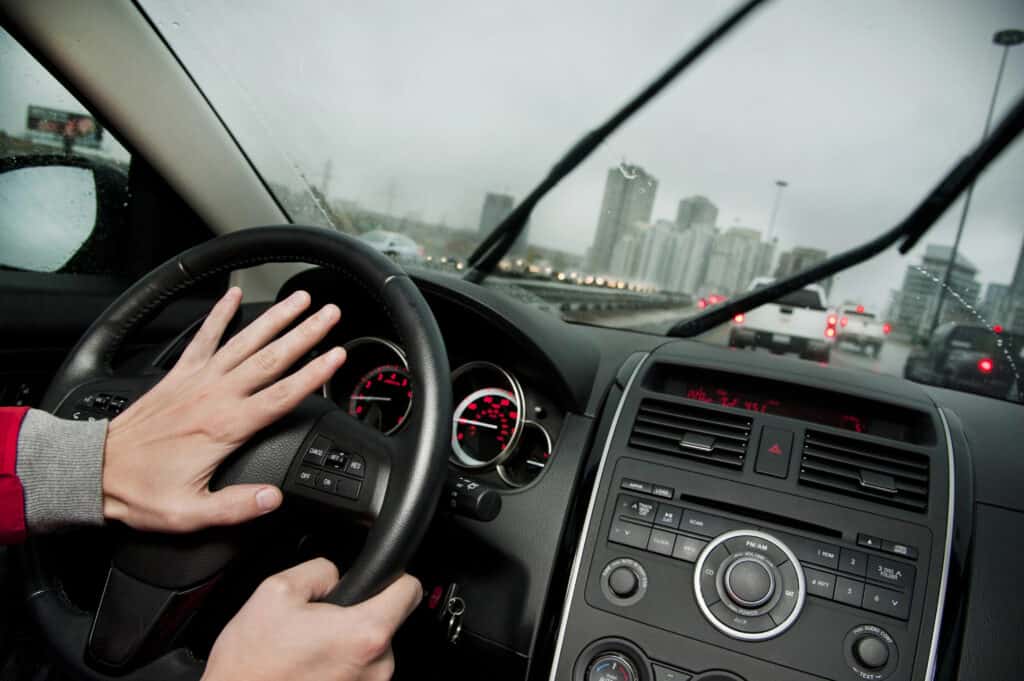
(845, 465)
(662, 426)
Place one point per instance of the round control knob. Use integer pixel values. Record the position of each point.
(623, 582)
(749, 583)
(612, 667)
(871, 652)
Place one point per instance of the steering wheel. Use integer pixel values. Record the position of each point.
(155, 583)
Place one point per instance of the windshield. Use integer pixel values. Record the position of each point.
(811, 128)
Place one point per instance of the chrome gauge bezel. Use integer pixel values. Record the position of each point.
(520, 400)
(403, 362)
(503, 473)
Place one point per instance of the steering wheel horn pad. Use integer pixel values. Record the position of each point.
(398, 478)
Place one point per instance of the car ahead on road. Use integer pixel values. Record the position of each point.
(799, 322)
(393, 244)
(970, 358)
(861, 328)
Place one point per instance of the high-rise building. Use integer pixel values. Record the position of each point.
(920, 291)
(995, 303)
(695, 244)
(799, 259)
(732, 261)
(660, 255)
(496, 208)
(626, 257)
(1013, 306)
(696, 210)
(628, 199)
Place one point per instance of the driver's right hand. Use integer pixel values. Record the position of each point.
(283, 634)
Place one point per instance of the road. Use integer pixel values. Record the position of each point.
(889, 361)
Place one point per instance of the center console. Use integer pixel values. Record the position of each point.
(754, 528)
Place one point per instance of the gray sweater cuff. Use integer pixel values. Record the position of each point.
(60, 465)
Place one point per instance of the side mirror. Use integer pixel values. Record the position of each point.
(60, 214)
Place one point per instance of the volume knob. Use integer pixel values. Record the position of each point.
(749, 583)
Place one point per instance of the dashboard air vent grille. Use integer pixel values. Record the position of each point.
(844, 465)
(691, 432)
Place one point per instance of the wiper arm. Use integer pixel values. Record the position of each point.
(911, 229)
(497, 243)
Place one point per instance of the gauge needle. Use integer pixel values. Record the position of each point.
(371, 398)
(479, 423)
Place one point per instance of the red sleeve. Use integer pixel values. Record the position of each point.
(12, 495)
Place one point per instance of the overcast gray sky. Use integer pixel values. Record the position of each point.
(859, 105)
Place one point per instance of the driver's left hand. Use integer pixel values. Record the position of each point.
(161, 452)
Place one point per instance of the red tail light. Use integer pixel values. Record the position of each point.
(843, 322)
(702, 303)
(886, 328)
(860, 309)
(830, 332)
(998, 328)
(985, 365)
(832, 320)
(739, 318)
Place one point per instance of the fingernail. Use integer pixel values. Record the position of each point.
(336, 355)
(268, 499)
(298, 298)
(328, 311)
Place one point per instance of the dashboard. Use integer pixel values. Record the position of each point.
(675, 511)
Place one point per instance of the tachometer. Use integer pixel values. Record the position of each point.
(382, 398)
(530, 458)
(488, 415)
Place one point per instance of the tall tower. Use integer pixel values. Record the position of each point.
(628, 198)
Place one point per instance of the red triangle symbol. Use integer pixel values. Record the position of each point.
(775, 449)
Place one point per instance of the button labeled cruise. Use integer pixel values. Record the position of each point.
(773, 453)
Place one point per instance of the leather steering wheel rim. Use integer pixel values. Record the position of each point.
(404, 516)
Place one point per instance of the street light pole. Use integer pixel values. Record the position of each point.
(1007, 38)
(780, 185)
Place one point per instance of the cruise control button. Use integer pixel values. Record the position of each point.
(325, 482)
(662, 542)
(886, 602)
(307, 477)
(748, 625)
(688, 548)
(849, 591)
(766, 549)
(348, 488)
(636, 486)
(707, 524)
(630, 534)
(355, 466)
(636, 508)
(854, 562)
(335, 461)
(317, 450)
(819, 583)
(894, 573)
(788, 594)
(669, 516)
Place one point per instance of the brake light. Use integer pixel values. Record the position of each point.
(886, 328)
(739, 318)
(860, 309)
(998, 328)
(830, 332)
(844, 321)
(832, 320)
(702, 303)
(985, 365)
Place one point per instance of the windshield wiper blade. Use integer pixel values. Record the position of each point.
(911, 229)
(491, 249)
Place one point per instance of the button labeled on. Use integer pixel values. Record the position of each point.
(325, 482)
(773, 452)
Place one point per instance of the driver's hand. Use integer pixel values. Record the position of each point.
(161, 451)
(281, 635)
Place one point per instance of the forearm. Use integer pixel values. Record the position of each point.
(59, 467)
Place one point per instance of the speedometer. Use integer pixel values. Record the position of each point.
(485, 422)
(488, 415)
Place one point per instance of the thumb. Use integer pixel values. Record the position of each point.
(236, 504)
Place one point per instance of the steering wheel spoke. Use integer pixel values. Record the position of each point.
(105, 398)
(345, 465)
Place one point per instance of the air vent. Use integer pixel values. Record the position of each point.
(844, 465)
(692, 432)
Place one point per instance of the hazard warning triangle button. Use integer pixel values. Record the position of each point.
(773, 452)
